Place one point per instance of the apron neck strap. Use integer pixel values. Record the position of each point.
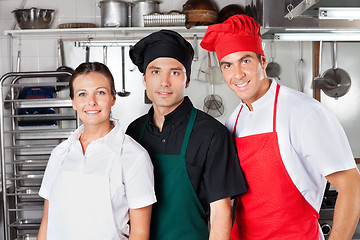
(274, 115)
(143, 130)
(275, 106)
(237, 118)
(188, 131)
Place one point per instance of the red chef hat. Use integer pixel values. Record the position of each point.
(238, 33)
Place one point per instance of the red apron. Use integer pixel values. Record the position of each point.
(273, 208)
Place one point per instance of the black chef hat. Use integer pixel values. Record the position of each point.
(164, 43)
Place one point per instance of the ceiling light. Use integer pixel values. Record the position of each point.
(330, 36)
(349, 13)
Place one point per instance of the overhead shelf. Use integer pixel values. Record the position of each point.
(113, 32)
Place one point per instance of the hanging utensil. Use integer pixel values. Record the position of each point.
(105, 55)
(123, 92)
(318, 81)
(300, 69)
(61, 65)
(273, 69)
(132, 66)
(337, 79)
(213, 103)
(213, 73)
(87, 53)
(195, 43)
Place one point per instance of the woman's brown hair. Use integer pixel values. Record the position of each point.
(88, 67)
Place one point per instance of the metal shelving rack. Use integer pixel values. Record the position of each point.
(25, 149)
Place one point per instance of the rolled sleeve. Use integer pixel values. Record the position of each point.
(139, 180)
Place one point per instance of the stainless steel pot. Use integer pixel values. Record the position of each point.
(114, 13)
(141, 8)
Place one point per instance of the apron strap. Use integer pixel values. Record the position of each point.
(188, 131)
(275, 106)
(143, 130)
(274, 115)
(237, 118)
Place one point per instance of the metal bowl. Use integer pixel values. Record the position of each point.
(33, 18)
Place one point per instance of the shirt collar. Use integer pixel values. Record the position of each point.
(176, 116)
(267, 98)
(116, 131)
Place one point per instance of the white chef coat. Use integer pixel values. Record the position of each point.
(312, 142)
(130, 176)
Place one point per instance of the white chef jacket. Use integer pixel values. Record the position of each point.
(131, 175)
(312, 142)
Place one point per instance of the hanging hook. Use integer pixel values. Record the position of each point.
(290, 7)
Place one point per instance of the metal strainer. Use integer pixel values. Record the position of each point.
(213, 103)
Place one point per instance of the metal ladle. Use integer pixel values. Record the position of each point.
(273, 69)
(123, 92)
(301, 65)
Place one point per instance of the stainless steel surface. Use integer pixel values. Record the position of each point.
(157, 19)
(41, 134)
(44, 117)
(114, 13)
(33, 18)
(25, 150)
(42, 103)
(141, 8)
(281, 21)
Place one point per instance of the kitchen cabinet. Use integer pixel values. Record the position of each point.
(35, 117)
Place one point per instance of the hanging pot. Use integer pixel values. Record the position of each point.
(337, 80)
(141, 8)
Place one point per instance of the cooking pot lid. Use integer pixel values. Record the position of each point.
(151, 1)
(337, 82)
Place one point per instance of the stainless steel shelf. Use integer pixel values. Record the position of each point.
(45, 117)
(26, 223)
(117, 32)
(42, 134)
(42, 84)
(40, 103)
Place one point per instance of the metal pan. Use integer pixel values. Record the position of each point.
(337, 80)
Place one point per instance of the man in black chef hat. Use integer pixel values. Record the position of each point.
(195, 161)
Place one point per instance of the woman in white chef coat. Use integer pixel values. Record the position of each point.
(98, 183)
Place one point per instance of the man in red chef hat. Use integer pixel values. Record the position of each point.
(289, 146)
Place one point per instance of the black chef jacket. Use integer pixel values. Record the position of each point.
(211, 158)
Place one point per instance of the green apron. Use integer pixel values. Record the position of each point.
(178, 214)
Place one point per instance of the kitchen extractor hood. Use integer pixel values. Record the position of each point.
(306, 16)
